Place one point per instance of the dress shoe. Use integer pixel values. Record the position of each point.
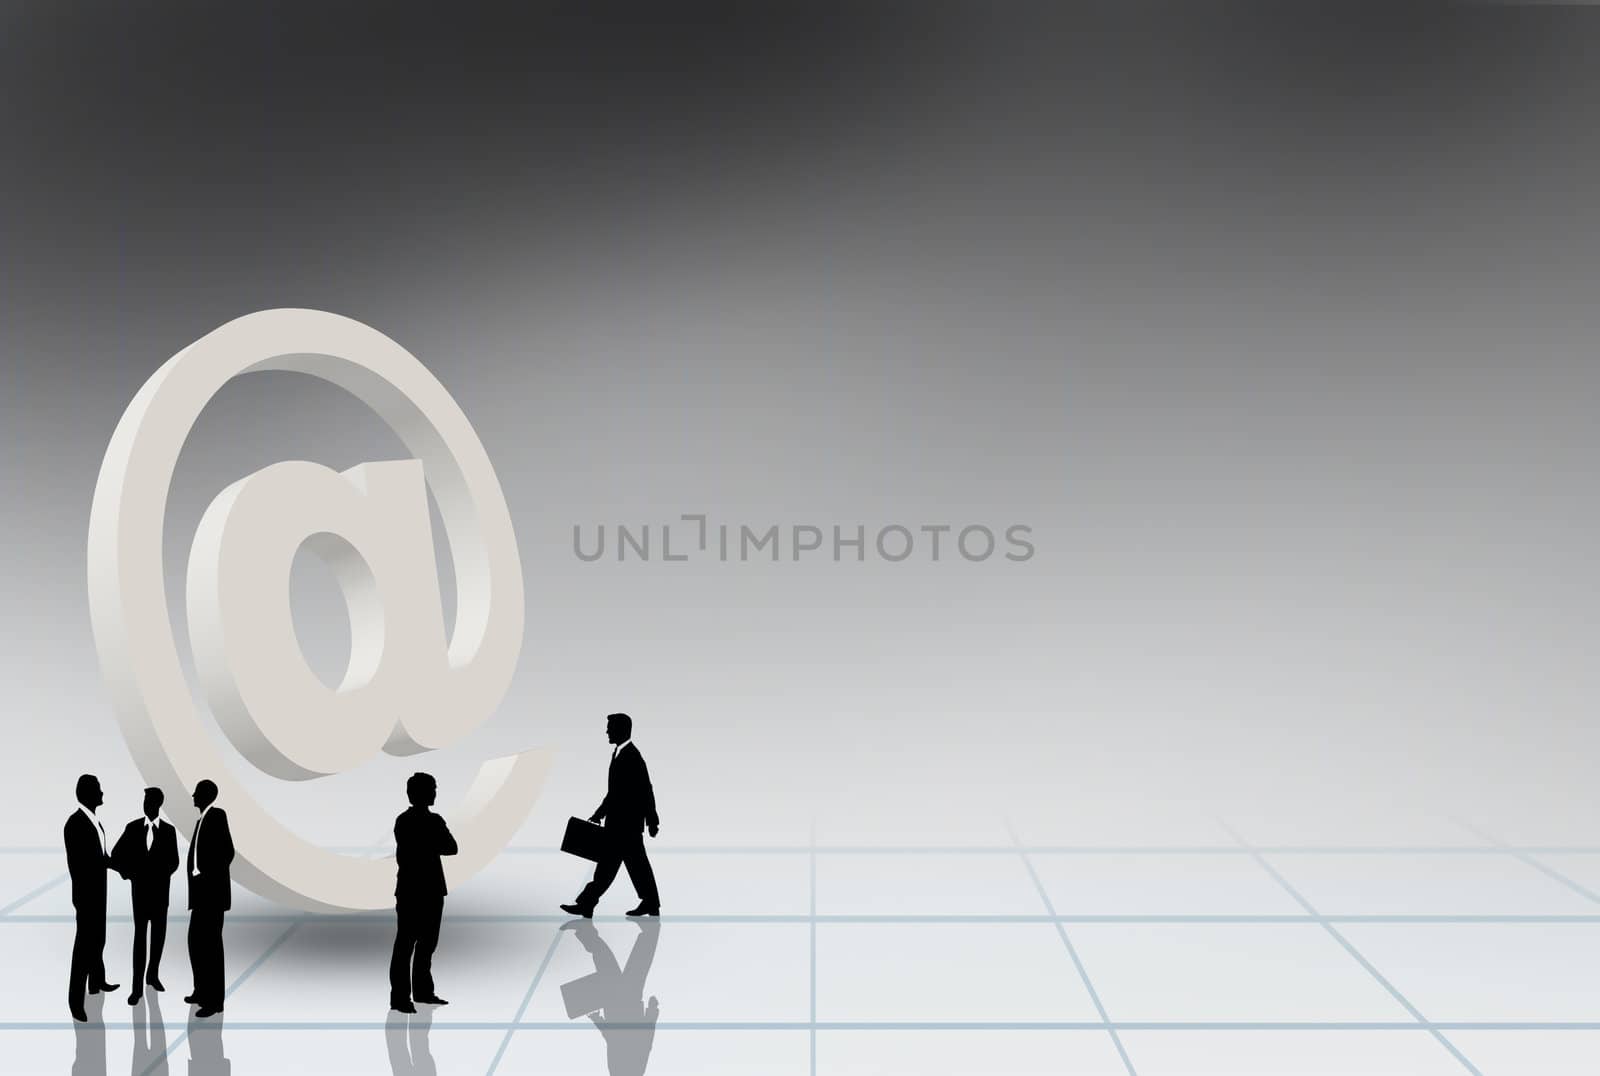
(153, 983)
(644, 909)
(79, 1015)
(578, 909)
(134, 999)
(191, 999)
(105, 988)
(403, 1006)
(433, 999)
(208, 1010)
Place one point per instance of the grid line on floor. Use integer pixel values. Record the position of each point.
(903, 918)
(1355, 953)
(515, 1024)
(1072, 951)
(868, 1025)
(14, 913)
(1010, 849)
(36, 892)
(160, 1063)
(813, 880)
(1528, 858)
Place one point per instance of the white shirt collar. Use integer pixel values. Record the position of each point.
(620, 746)
(89, 814)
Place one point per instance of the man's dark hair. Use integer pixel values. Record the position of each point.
(160, 796)
(623, 720)
(418, 785)
(86, 784)
(207, 790)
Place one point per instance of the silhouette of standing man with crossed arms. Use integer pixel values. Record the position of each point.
(629, 806)
(420, 838)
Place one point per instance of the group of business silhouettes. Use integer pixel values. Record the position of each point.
(146, 854)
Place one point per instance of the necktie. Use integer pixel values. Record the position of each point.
(194, 846)
(102, 830)
(149, 834)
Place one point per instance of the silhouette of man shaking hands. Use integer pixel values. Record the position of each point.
(210, 895)
(629, 806)
(147, 854)
(420, 838)
(87, 860)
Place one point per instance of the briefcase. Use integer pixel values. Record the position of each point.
(586, 995)
(585, 840)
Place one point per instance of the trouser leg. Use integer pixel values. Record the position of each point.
(605, 872)
(141, 923)
(405, 942)
(205, 955)
(219, 970)
(197, 957)
(82, 961)
(158, 943)
(641, 874)
(100, 958)
(96, 942)
(428, 919)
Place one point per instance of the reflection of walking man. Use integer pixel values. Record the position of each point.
(420, 838)
(629, 806)
(628, 1025)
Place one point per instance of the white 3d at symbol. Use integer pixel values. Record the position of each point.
(407, 689)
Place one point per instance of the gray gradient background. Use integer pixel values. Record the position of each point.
(1277, 330)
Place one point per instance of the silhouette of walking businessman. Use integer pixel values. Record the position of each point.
(210, 895)
(629, 806)
(87, 860)
(625, 1021)
(420, 838)
(147, 854)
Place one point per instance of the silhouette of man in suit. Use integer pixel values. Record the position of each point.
(626, 1023)
(210, 895)
(146, 854)
(629, 806)
(420, 838)
(87, 859)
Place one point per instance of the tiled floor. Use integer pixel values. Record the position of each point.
(1419, 949)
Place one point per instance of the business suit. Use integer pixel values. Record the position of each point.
(86, 863)
(149, 869)
(210, 895)
(420, 838)
(629, 806)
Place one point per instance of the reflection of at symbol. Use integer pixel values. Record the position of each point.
(371, 524)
